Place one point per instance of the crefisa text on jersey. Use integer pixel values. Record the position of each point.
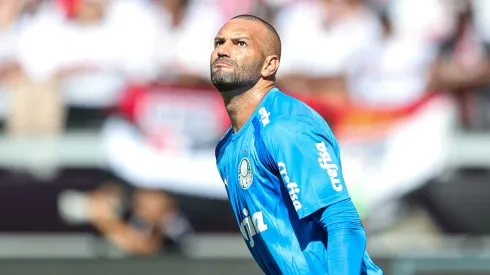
(325, 161)
(293, 188)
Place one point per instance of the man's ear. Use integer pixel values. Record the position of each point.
(271, 65)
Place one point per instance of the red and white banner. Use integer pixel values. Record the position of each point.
(168, 137)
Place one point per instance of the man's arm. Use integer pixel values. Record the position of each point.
(346, 237)
(449, 75)
(308, 158)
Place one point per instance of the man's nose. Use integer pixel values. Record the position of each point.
(224, 50)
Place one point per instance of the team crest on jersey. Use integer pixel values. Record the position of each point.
(245, 175)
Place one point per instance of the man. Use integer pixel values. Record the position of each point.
(280, 164)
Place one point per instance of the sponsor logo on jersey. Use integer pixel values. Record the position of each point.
(292, 187)
(245, 175)
(326, 162)
(251, 226)
(264, 116)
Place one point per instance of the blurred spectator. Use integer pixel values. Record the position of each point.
(268, 9)
(86, 50)
(34, 106)
(154, 223)
(463, 67)
(184, 42)
(394, 72)
(322, 40)
(429, 19)
(9, 25)
(90, 68)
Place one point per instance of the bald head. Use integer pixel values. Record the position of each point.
(246, 53)
(273, 41)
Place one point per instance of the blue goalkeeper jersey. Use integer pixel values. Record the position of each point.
(282, 166)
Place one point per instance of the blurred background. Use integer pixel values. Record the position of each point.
(108, 125)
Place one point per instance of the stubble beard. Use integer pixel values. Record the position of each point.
(240, 79)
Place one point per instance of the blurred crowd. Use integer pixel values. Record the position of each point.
(383, 53)
(143, 65)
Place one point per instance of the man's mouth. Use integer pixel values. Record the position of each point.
(222, 63)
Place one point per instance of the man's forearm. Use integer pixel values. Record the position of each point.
(346, 238)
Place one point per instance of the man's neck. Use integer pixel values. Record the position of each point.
(240, 105)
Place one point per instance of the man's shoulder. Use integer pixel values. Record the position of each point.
(221, 143)
(286, 114)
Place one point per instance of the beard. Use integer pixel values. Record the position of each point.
(239, 78)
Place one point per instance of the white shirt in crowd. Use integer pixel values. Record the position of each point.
(186, 49)
(134, 40)
(394, 74)
(310, 47)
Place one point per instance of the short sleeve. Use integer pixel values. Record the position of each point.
(308, 163)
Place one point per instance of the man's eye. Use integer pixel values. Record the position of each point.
(218, 43)
(242, 44)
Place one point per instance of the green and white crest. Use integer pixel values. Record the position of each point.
(245, 175)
